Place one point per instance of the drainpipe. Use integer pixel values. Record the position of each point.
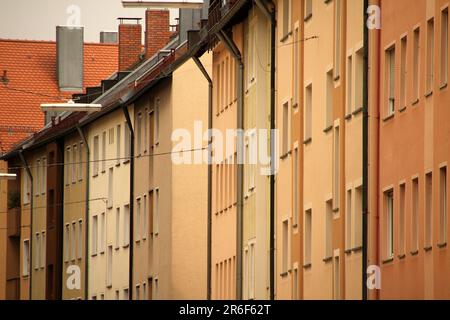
(130, 271)
(271, 16)
(234, 50)
(365, 151)
(30, 176)
(86, 219)
(209, 205)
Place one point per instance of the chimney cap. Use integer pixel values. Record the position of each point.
(123, 19)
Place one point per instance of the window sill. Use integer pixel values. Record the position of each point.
(307, 141)
(428, 249)
(308, 17)
(442, 245)
(402, 109)
(284, 274)
(358, 111)
(125, 246)
(337, 77)
(92, 255)
(443, 86)
(93, 176)
(295, 105)
(328, 129)
(118, 164)
(336, 210)
(348, 116)
(307, 266)
(117, 248)
(286, 36)
(348, 251)
(414, 253)
(327, 259)
(389, 260)
(357, 249)
(126, 162)
(284, 156)
(389, 117)
(429, 94)
(416, 101)
(401, 256)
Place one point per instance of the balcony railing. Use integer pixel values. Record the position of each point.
(14, 222)
(217, 10)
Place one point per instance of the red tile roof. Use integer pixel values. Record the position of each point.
(31, 70)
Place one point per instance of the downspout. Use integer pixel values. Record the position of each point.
(365, 155)
(86, 219)
(30, 176)
(209, 200)
(271, 16)
(235, 52)
(130, 271)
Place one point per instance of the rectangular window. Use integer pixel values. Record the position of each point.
(109, 267)
(138, 292)
(145, 218)
(329, 229)
(80, 162)
(348, 221)
(118, 141)
(286, 132)
(80, 240)
(295, 188)
(150, 214)
(137, 222)
(349, 85)
(444, 47)
(117, 295)
(67, 243)
(308, 9)
(443, 205)
(295, 285)
(144, 291)
(286, 18)
(430, 56)
(43, 250)
(125, 294)
(96, 156)
(428, 210)
(390, 80)
(126, 226)
(296, 64)
(26, 187)
(403, 71)
(218, 90)
(37, 172)
(26, 258)
(94, 235)
(111, 136)
(329, 97)
(416, 63)
(156, 213)
(401, 220)
(44, 175)
(117, 237)
(37, 251)
(251, 290)
(358, 227)
(145, 130)
(139, 133)
(359, 79)
(110, 188)
(73, 242)
(336, 168)
(67, 165)
(415, 215)
(336, 278)
(104, 151)
(389, 203)
(156, 134)
(74, 161)
(337, 38)
(127, 138)
(308, 237)
(286, 252)
(102, 232)
(308, 113)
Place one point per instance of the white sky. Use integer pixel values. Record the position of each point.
(37, 19)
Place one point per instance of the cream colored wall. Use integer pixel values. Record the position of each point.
(189, 186)
(99, 189)
(3, 229)
(74, 211)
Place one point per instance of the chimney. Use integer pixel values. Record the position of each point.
(70, 55)
(157, 32)
(130, 43)
(108, 37)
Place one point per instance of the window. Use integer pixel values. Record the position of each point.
(80, 240)
(336, 168)
(358, 227)
(96, 157)
(430, 56)
(329, 102)
(104, 151)
(102, 232)
(251, 58)
(443, 205)
(389, 203)
(349, 85)
(150, 213)
(156, 135)
(295, 188)
(295, 285)
(37, 251)
(80, 162)
(337, 39)
(416, 64)
(156, 213)
(37, 172)
(144, 291)
(336, 278)
(26, 258)
(308, 237)
(286, 131)
(359, 79)
(117, 295)
(415, 215)
(138, 292)
(118, 141)
(94, 235)
(43, 250)
(111, 136)
(348, 221)
(218, 89)
(390, 80)
(296, 64)
(74, 161)
(26, 187)
(308, 9)
(125, 294)
(145, 131)
(110, 188)
(109, 267)
(251, 279)
(328, 229)
(67, 165)
(116, 240)
(428, 210)
(73, 241)
(137, 222)
(67, 243)
(139, 133)
(401, 220)
(126, 226)
(145, 223)
(286, 251)
(44, 175)
(308, 113)
(444, 47)
(286, 18)
(127, 143)
(403, 71)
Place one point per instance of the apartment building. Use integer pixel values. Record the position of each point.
(409, 146)
(319, 218)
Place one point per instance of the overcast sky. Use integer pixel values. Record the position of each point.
(37, 19)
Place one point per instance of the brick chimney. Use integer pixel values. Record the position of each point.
(157, 32)
(130, 43)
